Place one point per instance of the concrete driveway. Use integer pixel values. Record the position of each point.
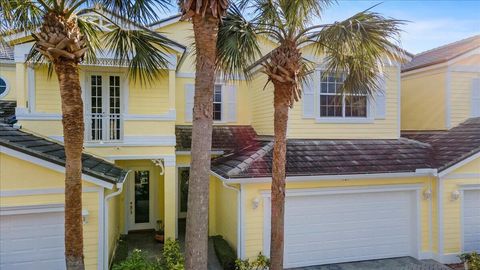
(402, 263)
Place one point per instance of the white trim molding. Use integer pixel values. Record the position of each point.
(7, 87)
(129, 141)
(52, 166)
(458, 164)
(168, 160)
(21, 114)
(31, 209)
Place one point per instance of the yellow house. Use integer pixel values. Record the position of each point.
(356, 189)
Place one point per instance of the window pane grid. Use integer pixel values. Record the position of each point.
(96, 108)
(333, 103)
(217, 103)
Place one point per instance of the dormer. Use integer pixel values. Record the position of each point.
(441, 87)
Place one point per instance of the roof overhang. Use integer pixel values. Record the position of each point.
(53, 166)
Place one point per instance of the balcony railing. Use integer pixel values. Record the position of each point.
(103, 127)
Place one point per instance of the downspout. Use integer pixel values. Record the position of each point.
(239, 217)
(106, 258)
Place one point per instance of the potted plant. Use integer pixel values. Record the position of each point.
(160, 232)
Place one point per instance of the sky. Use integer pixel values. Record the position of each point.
(432, 23)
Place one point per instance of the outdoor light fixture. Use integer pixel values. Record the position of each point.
(455, 195)
(85, 216)
(427, 194)
(255, 203)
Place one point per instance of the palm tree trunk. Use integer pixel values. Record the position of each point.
(73, 130)
(280, 104)
(196, 246)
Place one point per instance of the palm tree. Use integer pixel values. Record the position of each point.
(205, 16)
(63, 37)
(358, 47)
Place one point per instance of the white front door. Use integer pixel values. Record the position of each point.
(103, 113)
(333, 228)
(140, 199)
(471, 221)
(32, 241)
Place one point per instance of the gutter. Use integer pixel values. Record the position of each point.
(306, 178)
(239, 217)
(106, 259)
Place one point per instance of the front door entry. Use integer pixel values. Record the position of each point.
(140, 200)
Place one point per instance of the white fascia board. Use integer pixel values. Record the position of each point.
(52, 166)
(165, 22)
(458, 165)
(325, 177)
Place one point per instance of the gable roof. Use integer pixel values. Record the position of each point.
(166, 21)
(442, 54)
(224, 138)
(54, 152)
(451, 146)
(7, 111)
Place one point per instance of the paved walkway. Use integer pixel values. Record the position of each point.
(403, 263)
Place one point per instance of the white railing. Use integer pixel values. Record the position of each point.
(104, 127)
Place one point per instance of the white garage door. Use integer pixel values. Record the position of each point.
(324, 229)
(471, 220)
(32, 241)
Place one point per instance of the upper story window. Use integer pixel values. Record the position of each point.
(3, 87)
(217, 103)
(334, 104)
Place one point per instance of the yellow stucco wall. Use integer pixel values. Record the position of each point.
(254, 218)
(7, 72)
(17, 174)
(452, 209)
(423, 100)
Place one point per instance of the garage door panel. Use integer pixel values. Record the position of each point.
(471, 220)
(32, 241)
(321, 229)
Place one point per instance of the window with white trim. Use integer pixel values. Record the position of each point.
(334, 104)
(217, 103)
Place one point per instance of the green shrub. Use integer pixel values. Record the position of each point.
(225, 254)
(260, 263)
(472, 260)
(172, 256)
(137, 260)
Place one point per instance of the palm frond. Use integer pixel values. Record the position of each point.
(143, 51)
(360, 46)
(237, 44)
(299, 13)
(23, 15)
(141, 11)
(90, 31)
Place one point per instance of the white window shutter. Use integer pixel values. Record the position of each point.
(230, 102)
(380, 100)
(308, 99)
(189, 94)
(476, 97)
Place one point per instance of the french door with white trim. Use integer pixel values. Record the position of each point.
(103, 110)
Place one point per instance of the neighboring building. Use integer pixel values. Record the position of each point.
(356, 189)
(441, 87)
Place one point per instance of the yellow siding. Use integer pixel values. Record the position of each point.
(17, 174)
(423, 100)
(47, 93)
(254, 217)
(226, 208)
(7, 72)
(114, 223)
(452, 233)
(262, 105)
(461, 93)
(149, 98)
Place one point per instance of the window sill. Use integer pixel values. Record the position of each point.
(333, 120)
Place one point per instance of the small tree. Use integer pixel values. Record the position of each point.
(63, 37)
(358, 47)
